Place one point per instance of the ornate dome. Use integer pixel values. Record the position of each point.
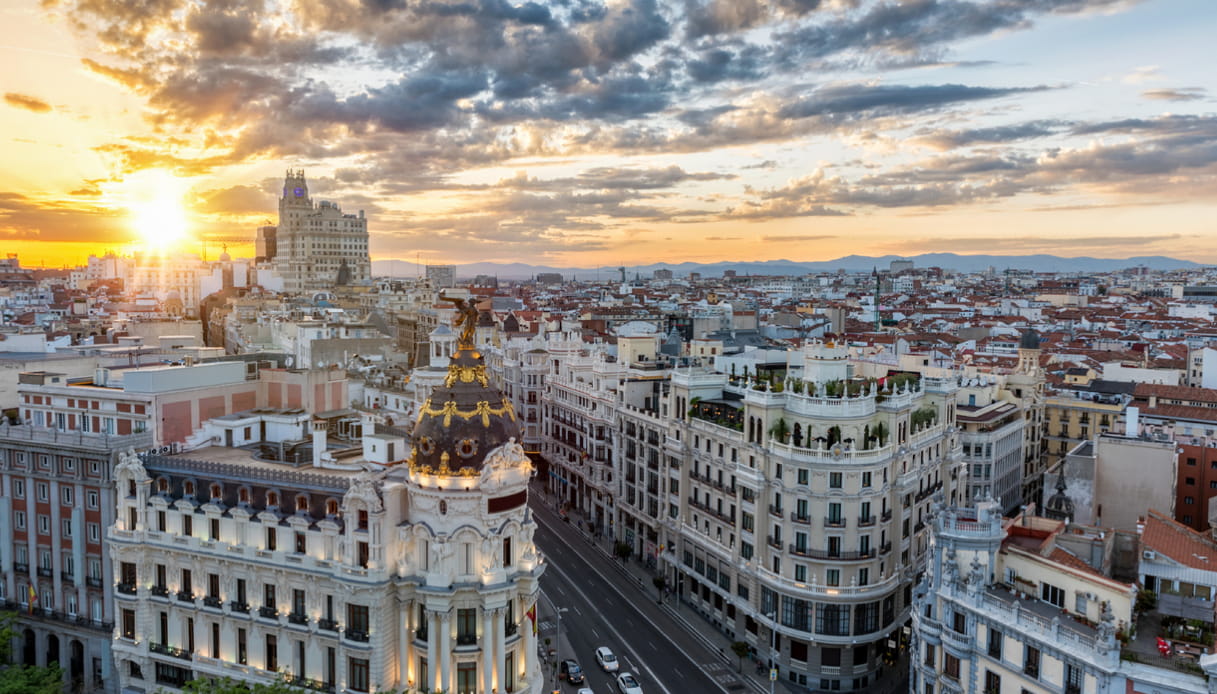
(1029, 340)
(464, 418)
(1059, 506)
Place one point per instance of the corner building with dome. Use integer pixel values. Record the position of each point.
(394, 560)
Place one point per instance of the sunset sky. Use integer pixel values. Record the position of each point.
(579, 132)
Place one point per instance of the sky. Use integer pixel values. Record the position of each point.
(577, 133)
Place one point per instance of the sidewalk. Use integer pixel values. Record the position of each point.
(751, 678)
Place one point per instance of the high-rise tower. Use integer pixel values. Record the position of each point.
(316, 246)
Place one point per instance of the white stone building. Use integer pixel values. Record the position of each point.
(378, 567)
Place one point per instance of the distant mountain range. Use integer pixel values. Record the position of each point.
(850, 263)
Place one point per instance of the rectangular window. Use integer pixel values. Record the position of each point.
(268, 595)
(301, 543)
(357, 619)
(66, 495)
(994, 643)
(19, 489)
(992, 682)
(1053, 595)
(1073, 679)
(834, 480)
(358, 681)
(128, 624)
(65, 527)
(1031, 662)
(19, 519)
(43, 491)
(44, 525)
(187, 525)
(950, 666)
(270, 539)
(272, 653)
(215, 528)
(94, 532)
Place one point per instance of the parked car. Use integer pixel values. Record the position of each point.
(571, 672)
(584, 690)
(627, 684)
(606, 660)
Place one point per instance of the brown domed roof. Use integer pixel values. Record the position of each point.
(464, 419)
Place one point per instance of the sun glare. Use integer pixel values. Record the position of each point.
(153, 199)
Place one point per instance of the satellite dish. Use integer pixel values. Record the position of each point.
(289, 361)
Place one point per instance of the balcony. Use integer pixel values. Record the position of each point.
(45, 572)
(21, 568)
(126, 588)
(774, 542)
(466, 639)
(355, 635)
(268, 612)
(510, 629)
(239, 606)
(421, 634)
(866, 521)
(93, 582)
(160, 591)
(885, 548)
(165, 649)
(306, 683)
(185, 596)
(212, 601)
(296, 618)
(836, 556)
(775, 511)
(70, 578)
(887, 516)
(805, 519)
(830, 522)
(327, 624)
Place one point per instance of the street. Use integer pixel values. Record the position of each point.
(583, 586)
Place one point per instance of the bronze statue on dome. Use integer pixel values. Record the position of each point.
(466, 319)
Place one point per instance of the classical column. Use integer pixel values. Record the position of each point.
(487, 649)
(500, 648)
(531, 669)
(432, 650)
(405, 645)
(445, 650)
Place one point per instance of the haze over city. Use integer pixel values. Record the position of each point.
(584, 133)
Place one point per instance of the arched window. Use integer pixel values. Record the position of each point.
(162, 485)
(243, 495)
(216, 491)
(272, 499)
(331, 507)
(301, 504)
(188, 488)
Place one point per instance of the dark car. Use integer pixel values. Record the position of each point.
(571, 672)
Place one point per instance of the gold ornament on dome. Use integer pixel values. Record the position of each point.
(466, 374)
(483, 409)
(466, 319)
(444, 470)
(467, 448)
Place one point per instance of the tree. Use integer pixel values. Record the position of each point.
(660, 583)
(780, 430)
(23, 679)
(741, 649)
(227, 685)
(880, 432)
(31, 679)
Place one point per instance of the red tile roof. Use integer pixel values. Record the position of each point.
(1178, 542)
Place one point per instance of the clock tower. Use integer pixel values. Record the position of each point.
(318, 246)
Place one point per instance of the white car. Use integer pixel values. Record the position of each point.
(606, 660)
(585, 690)
(627, 684)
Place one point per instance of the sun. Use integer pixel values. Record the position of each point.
(153, 199)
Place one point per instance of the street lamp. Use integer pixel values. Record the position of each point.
(773, 658)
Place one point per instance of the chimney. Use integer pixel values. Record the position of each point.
(1131, 422)
(319, 436)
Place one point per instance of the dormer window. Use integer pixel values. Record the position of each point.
(162, 485)
(363, 520)
(216, 492)
(188, 488)
(331, 507)
(272, 499)
(243, 495)
(302, 504)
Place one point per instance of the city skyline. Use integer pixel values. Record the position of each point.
(582, 134)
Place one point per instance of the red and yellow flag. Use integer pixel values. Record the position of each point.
(532, 614)
(33, 595)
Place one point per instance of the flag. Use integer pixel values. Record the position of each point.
(532, 614)
(33, 595)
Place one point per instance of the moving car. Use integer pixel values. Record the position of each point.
(584, 690)
(606, 660)
(571, 672)
(627, 684)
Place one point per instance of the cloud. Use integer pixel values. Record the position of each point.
(1180, 94)
(852, 99)
(1002, 134)
(26, 102)
(29, 218)
(796, 238)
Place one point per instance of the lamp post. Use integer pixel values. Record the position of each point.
(773, 659)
